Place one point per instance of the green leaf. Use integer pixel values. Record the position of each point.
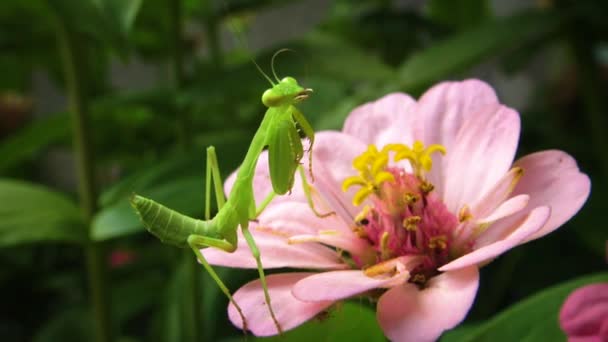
(533, 319)
(33, 213)
(184, 195)
(32, 139)
(468, 48)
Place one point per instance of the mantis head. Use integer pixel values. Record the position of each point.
(286, 92)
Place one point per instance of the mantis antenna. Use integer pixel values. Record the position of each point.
(272, 61)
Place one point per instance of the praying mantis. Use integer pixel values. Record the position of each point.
(279, 134)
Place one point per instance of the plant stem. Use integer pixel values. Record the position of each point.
(178, 76)
(72, 59)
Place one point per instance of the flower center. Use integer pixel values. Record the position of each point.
(402, 216)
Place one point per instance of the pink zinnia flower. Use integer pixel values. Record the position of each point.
(424, 193)
(584, 315)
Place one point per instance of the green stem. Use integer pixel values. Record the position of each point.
(183, 122)
(72, 58)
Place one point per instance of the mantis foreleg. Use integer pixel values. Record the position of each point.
(307, 187)
(308, 132)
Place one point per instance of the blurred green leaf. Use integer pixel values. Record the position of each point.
(72, 325)
(529, 320)
(155, 174)
(129, 299)
(445, 59)
(468, 48)
(175, 318)
(33, 213)
(106, 20)
(184, 195)
(459, 14)
(32, 139)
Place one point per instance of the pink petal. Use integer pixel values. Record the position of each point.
(289, 311)
(387, 120)
(497, 194)
(441, 113)
(585, 311)
(407, 313)
(301, 222)
(535, 220)
(480, 155)
(552, 178)
(508, 207)
(275, 253)
(340, 284)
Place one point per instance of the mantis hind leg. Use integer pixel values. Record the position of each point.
(307, 187)
(212, 175)
(256, 254)
(196, 242)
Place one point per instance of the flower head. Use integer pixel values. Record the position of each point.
(584, 315)
(424, 193)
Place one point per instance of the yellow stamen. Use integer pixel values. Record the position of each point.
(362, 215)
(411, 198)
(411, 223)
(384, 246)
(464, 214)
(419, 279)
(371, 166)
(418, 155)
(438, 241)
(426, 187)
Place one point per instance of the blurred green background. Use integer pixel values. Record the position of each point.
(100, 98)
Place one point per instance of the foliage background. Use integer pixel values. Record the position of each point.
(159, 80)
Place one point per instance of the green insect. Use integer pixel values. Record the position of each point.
(279, 134)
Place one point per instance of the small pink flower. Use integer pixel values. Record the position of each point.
(584, 315)
(120, 257)
(424, 193)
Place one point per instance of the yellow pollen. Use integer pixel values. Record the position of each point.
(411, 223)
(371, 166)
(438, 241)
(419, 279)
(362, 215)
(411, 198)
(464, 214)
(418, 155)
(426, 187)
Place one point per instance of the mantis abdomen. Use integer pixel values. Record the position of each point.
(168, 225)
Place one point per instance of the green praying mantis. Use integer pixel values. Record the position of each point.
(279, 134)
